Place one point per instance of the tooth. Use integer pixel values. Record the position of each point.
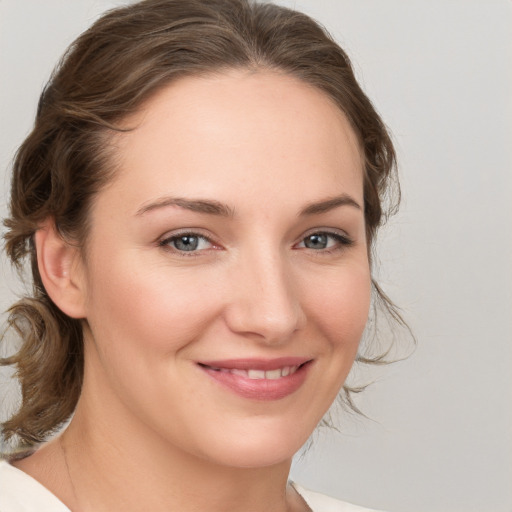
(293, 369)
(241, 373)
(285, 371)
(256, 374)
(273, 374)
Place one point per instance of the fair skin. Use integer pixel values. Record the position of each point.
(259, 176)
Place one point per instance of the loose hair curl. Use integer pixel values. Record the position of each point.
(106, 74)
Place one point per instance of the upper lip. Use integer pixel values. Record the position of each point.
(255, 364)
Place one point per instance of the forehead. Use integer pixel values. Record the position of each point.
(235, 131)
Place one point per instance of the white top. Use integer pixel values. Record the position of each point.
(20, 492)
(321, 503)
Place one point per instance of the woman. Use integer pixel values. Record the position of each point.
(199, 197)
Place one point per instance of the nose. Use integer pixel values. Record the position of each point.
(265, 303)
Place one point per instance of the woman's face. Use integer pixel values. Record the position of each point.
(227, 282)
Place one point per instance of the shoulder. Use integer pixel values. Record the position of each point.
(20, 492)
(321, 503)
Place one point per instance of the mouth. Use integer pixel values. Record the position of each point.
(254, 374)
(259, 379)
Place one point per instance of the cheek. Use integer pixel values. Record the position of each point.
(341, 308)
(148, 311)
(142, 328)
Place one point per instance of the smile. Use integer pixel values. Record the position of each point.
(259, 379)
(261, 374)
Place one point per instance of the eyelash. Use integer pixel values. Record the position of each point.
(166, 243)
(342, 242)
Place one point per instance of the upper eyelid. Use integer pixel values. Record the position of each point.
(327, 231)
(165, 243)
(183, 232)
(342, 240)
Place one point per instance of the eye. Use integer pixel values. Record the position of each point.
(187, 242)
(325, 241)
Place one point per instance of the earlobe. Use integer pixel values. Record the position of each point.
(60, 268)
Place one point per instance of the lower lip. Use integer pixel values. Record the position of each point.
(260, 389)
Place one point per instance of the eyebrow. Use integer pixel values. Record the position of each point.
(330, 204)
(207, 206)
(212, 207)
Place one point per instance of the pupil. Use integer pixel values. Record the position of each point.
(316, 242)
(187, 243)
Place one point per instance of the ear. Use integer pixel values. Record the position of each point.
(61, 270)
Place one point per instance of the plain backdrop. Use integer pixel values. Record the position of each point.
(440, 434)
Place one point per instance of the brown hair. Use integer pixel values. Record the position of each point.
(124, 58)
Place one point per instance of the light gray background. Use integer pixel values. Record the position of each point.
(439, 72)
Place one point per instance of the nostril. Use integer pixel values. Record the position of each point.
(264, 304)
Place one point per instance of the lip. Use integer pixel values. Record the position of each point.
(262, 389)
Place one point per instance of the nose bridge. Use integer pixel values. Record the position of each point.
(266, 302)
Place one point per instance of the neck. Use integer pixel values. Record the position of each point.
(116, 463)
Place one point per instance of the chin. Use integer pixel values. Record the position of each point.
(263, 446)
(252, 458)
